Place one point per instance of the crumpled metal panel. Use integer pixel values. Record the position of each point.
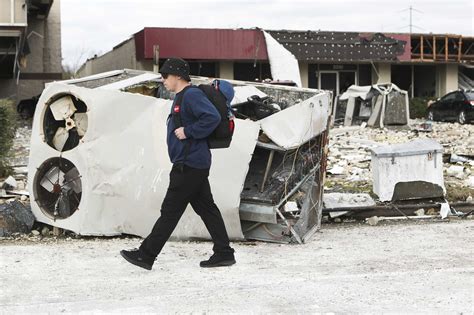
(124, 166)
(299, 123)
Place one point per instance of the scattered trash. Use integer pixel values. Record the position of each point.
(45, 231)
(345, 200)
(336, 170)
(10, 182)
(373, 220)
(420, 212)
(376, 220)
(423, 127)
(291, 206)
(445, 210)
(454, 158)
(470, 182)
(456, 171)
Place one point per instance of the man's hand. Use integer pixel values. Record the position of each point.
(180, 133)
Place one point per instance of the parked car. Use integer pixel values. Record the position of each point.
(455, 106)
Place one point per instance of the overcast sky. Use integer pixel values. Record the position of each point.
(95, 26)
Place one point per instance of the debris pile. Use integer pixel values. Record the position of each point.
(349, 162)
(349, 155)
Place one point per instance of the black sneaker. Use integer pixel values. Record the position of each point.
(218, 260)
(137, 258)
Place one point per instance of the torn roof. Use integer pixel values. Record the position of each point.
(344, 46)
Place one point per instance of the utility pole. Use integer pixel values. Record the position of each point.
(411, 25)
(411, 21)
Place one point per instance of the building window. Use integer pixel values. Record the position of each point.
(248, 71)
(204, 69)
(365, 75)
(199, 68)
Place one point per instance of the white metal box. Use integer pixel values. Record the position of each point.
(416, 161)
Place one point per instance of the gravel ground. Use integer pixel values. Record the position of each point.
(410, 267)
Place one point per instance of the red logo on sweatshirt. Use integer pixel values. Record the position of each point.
(176, 109)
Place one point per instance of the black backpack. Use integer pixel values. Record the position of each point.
(221, 137)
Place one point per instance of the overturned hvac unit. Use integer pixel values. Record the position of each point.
(99, 162)
(378, 105)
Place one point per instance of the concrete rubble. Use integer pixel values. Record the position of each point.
(343, 200)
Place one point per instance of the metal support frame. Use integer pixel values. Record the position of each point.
(267, 169)
(287, 230)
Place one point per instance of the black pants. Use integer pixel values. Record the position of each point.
(187, 185)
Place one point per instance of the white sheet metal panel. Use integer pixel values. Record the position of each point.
(124, 165)
(89, 78)
(283, 64)
(297, 124)
(356, 91)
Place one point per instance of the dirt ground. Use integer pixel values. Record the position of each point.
(409, 267)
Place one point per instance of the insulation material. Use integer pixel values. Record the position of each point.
(283, 64)
(123, 166)
(244, 92)
(297, 124)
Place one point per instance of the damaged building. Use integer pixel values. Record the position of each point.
(421, 64)
(30, 47)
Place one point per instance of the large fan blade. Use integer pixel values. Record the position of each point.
(72, 180)
(60, 138)
(52, 177)
(80, 119)
(63, 108)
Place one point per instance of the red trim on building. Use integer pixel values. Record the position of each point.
(201, 44)
(406, 56)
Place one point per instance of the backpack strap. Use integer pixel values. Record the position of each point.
(176, 112)
(178, 122)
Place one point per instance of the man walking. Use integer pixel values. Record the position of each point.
(189, 152)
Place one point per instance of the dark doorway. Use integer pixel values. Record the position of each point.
(425, 81)
(328, 81)
(401, 76)
(365, 75)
